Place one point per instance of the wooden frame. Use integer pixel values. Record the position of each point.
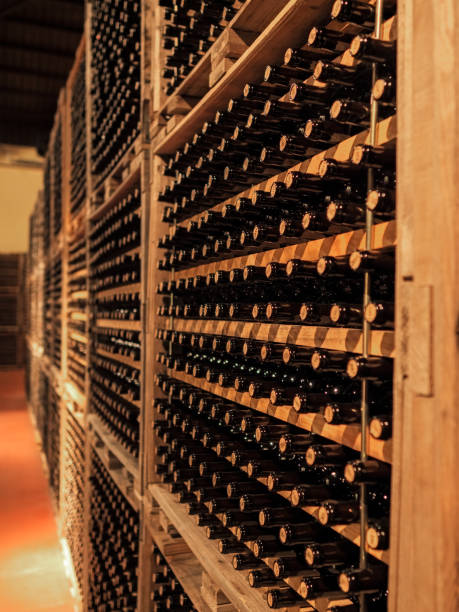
(425, 552)
(423, 555)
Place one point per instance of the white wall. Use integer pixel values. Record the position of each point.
(21, 178)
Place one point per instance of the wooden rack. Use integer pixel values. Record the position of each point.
(423, 559)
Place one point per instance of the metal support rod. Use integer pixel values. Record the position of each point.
(366, 326)
(171, 318)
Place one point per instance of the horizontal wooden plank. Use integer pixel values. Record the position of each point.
(75, 315)
(383, 235)
(128, 483)
(253, 16)
(119, 324)
(78, 295)
(218, 566)
(132, 288)
(348, 435)
(185, 566)
(333, 338)
(386, 133)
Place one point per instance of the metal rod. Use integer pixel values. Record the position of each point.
(171, 318)
(366, 299)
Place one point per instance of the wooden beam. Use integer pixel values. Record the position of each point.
(424, 566)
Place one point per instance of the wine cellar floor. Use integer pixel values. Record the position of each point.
(32, 574)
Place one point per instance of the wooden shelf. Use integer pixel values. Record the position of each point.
(77, 358)
(289, 28)
(386, 133)
(333, 338)
(218, 566)
(78, 337)
(184, 565)
(123, 468)
(130, 167)
(349, 531)
(119, 324)
(348, 435)
(121, 358)
(78, 295)
(252, 17)
(383, 235)
(132, 288)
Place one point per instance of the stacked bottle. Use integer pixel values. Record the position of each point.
(167, 593)
(73, 492)
(115, 84)
(113, 545)
(261, 243)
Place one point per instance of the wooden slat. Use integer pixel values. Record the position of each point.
(119, 324)
(120, 192)
(348, 435)
(129, 463)
(333, 338)
(185, 566)
(386, 133)
(78, 337)
(121, 358)
(219, 568)
(132, 288)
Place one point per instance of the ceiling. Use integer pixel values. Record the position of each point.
(38, 40)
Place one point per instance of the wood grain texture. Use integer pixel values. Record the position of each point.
(425, 518)
(218, 566)
(333, 338)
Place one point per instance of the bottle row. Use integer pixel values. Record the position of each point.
(123, 342)
(327, 292)
(253, 223)
(118, 271)
(73, 489)
(167, 592)
(119, 415)
(121, 307)
(78, 139)
(189, 39)
(118, 229)
(237, 362)
(332, 393)
(228, 499)
(222, 172)
(56, 161)
(113, 545)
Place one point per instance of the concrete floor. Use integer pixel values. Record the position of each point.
(32, 575)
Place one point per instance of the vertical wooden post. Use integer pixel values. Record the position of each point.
(425, 519)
